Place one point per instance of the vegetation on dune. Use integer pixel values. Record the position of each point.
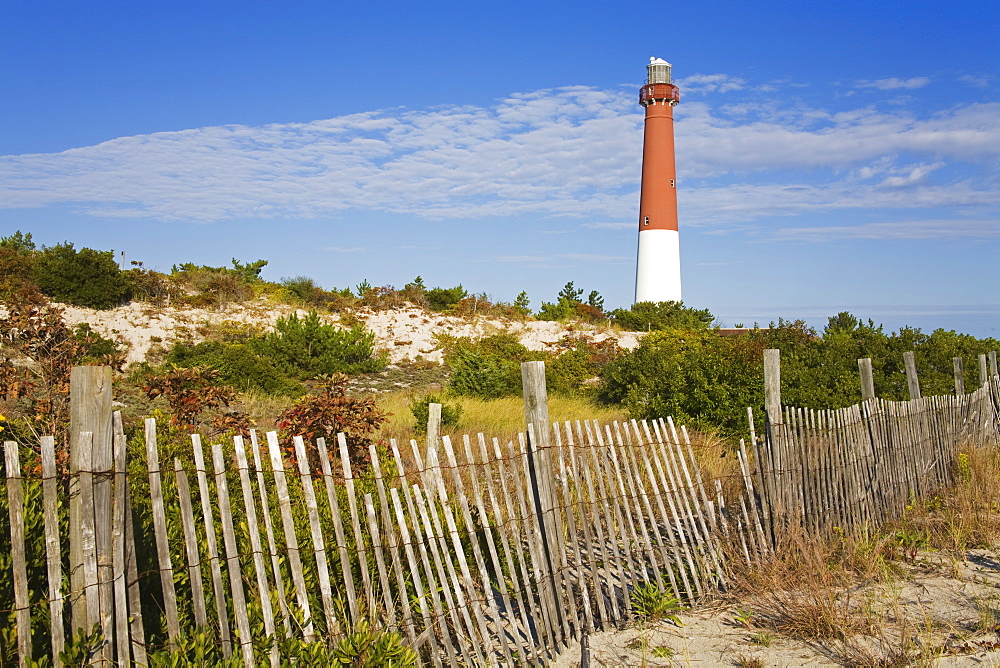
(682, 367)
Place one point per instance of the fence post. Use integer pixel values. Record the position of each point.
(536, 417)
(993, 362)
(772, 385)
(984, 376)
(959, 376)
(772, 434)
(912, 382)
(867, 378)
(90, 411)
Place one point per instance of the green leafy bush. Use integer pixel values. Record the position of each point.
(450, 413)
(239, 364)
(696, 376)
(582, 359)
(488, 368)
(657, 316)
(86, 277)
(442, 299)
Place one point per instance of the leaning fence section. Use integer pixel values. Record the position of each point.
(449, 544)
(472, 551)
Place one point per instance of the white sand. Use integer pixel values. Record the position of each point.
(405, 334)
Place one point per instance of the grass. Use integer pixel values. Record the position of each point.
(502, 418)
(846, 592)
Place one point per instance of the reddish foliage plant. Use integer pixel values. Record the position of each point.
(192, 391)
(329, 413)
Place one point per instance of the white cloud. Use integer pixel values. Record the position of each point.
(918, 229)
(570, 152)
(611, 226)
(894, 83)
(977, 80)
(710, 83)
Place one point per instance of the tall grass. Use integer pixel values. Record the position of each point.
(813, 587)
(502, 418)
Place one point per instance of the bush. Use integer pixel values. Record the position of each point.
(450, 413)
(696, 376)
(488, 368)
(442, 299)
(304, 290)
(17, 262)
(307, 347)
(86, 277)
(329, 413)
(239, 364)
(658, 316)
(582, 360)
(197, 399)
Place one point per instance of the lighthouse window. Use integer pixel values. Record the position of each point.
(645, 221)
(671, 183)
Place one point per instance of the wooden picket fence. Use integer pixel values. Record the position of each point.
(475, 552)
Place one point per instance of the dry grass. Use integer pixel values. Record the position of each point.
(501, 418)
(843, 592)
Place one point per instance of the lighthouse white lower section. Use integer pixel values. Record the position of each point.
(658, 270)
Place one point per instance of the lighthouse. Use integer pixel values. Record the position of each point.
(658, 267)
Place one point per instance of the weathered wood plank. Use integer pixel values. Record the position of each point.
(53, 545)
(160, 530)
(212, 543)
(291, 540)
(260, 570)
(15, 509)
(232, 557)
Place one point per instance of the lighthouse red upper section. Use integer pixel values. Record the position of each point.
(658, 194)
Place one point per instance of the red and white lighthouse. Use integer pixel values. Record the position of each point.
(658, 269)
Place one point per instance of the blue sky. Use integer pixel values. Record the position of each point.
(831, 156)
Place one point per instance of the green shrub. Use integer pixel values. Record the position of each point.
(239, 364)
(302, 289)
(442, 299)
(695, 376)
(488, 368)
(450, 413)
(582, 360)
(657, 316)
(308, 347)
(87, 277)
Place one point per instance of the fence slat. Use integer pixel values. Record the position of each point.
(15, 508)
(232, 557)
(291, 540)
(53, 546)
(191, 546)
(120, 514)
(338, 530)
(279, 582)
(160, 530)
(319, 546)
(212, 543)
(263, 586)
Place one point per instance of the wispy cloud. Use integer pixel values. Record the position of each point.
(560, 153)
(339, 249)
(915, 229)
(711, 83)
(893, 83)
(581, 257)
(611, 226)
(977, 80)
